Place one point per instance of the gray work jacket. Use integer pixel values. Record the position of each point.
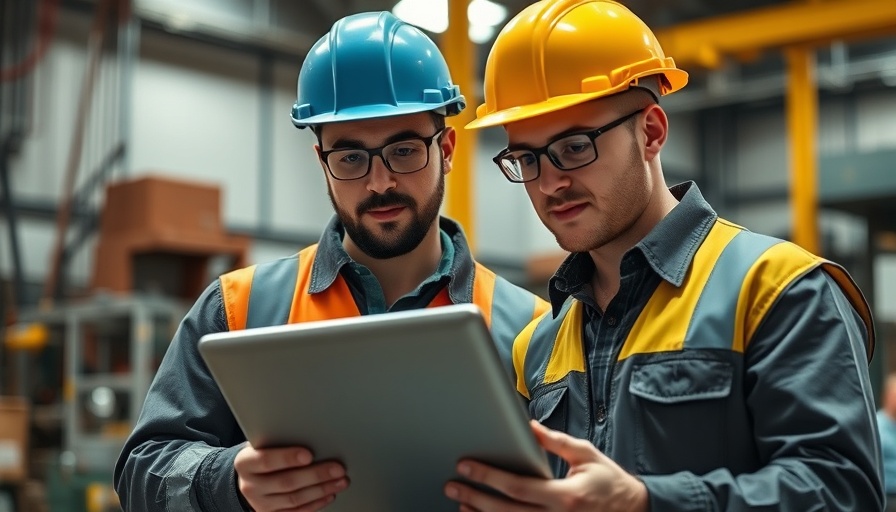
(728, 373)
(179, 457)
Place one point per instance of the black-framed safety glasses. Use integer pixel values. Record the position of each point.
(567, 152)
(402, 157)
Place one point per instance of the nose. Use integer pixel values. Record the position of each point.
(380, 178)
(551, 179)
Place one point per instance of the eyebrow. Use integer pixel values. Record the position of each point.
(572, 130)
(345, 143)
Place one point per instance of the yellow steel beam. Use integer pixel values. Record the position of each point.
(460, 54)
(706, 42)
(802, 127)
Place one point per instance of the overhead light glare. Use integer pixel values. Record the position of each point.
(486, 12)
(481, 34)
(432, 15)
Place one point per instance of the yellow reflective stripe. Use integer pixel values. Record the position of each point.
(541, 307)
(567, 355)
(663, 323)
(532, 358)
(770, 275)
(714, 322)
(520, 349)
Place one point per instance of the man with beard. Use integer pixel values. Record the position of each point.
(689, 364)
(376, 92)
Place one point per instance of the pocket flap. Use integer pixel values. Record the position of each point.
(681, 380)
(543, 406)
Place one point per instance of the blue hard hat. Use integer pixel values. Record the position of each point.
(373, 65)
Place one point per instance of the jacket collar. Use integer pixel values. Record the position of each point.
(668, 248)
(331, 258)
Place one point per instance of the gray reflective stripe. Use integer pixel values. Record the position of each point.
(512, 310)
(179, 479)
(273, 287)
(542, 345)
(712, 323)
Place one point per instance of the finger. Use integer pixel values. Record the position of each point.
(573, 450)
(317, 505)
(310, 498)
(290, 480)
(519, 488)
(474, 500)
(268, 460)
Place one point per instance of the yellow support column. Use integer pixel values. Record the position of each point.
(460, 53)
(802, 127)
(705, 42)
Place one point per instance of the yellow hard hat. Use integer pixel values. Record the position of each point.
(559, 53)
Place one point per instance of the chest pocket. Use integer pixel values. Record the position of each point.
(548, 408)
(681, 409)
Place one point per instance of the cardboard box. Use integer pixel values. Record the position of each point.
(14, 421)
(159, 234)
(163, 206)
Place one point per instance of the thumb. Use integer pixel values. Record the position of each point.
(573, 450)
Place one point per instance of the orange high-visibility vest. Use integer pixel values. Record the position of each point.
(277, 292)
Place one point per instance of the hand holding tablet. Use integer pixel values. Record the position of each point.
(397, 398)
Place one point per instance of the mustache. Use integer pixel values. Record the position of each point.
(566, 196)
(389, 199)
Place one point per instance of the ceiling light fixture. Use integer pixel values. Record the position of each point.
(429, 15)
(432, 15)
(486, 12)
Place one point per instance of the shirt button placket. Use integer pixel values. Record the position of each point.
(601, 414)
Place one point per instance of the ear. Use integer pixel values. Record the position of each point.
(320, 160)
(656, 129)
(447, 142)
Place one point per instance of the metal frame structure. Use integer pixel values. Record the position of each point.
(150, 324)
(796, 28)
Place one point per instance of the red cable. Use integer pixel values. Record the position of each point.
(48, 15)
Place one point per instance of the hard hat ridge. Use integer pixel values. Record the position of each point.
(558, 53)
(373, 65)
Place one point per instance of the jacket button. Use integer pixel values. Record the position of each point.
(611, 321)
(601, 416)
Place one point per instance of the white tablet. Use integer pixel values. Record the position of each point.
(398, 398)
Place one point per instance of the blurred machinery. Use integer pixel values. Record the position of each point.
(85, 364)
(14, 414)
(88, 384)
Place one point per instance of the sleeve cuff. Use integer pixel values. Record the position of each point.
(679, 492)
(217, 483)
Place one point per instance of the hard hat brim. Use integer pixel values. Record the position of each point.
(675, 77)
(514, 114)
(375, 111)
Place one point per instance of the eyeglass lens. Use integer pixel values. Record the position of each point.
(566, 153)
(401, 157)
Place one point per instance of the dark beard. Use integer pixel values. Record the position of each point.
(395, 242)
